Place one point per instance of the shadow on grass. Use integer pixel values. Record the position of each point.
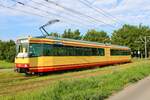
(72, 70)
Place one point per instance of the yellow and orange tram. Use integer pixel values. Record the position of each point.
(46, 54)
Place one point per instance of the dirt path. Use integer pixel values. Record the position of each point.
(6, 70)
(138, 91)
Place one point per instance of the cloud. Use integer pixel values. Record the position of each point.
(123, 11)
(52, 10)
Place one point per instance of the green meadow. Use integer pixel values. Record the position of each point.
(91, 84)
(6, 65)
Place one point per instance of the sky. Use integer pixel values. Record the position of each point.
(109, 15)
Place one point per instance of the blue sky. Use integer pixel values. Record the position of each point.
(15, 24)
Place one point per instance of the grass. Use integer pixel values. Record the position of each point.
(6, 65)
(89, 87)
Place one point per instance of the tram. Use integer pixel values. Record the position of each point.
(49, 54)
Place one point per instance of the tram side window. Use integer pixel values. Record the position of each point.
(79, 51)
(61, 50)
(69, 51)
(101, 51)
(47, 50)
(58, 50)
(35, 50)
(115, 52)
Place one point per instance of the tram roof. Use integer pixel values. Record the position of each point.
(81, 41)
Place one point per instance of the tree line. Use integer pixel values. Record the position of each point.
(133, 37)
(7, 50)
(127, 35)
(91, 35)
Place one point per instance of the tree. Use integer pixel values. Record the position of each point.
(131, 36)
(7, 50)
(54, 34)
(72, 34)
(67, 34)
(1, 50)
(96, 36)
(76, 34)
(10, 51)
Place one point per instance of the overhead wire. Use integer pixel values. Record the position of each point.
(99, 10)
(66, 8)
(78, 18)
(87, 5)
(50, 13)
(78, 13)
(23, 11)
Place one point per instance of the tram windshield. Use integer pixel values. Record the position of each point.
(22, 50)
